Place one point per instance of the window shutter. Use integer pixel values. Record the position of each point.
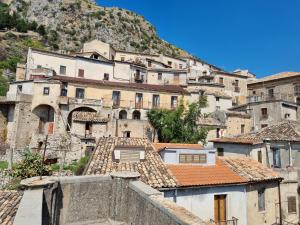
(292, 204)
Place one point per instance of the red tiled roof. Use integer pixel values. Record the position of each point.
(161, 146)
(239, 170)
(104, 83)
(192, 175)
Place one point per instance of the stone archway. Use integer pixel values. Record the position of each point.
(123, 115)
(79, 109)
(136, 115)
(46, 115)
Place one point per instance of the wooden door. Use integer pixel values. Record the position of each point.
(220, 209)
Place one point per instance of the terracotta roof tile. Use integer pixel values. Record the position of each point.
(275, 77)
(284, 131)
(193, 175)
(234, 171)
(9, 203)
(160, 146)
(152, 170)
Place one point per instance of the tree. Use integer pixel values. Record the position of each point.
(41, 30)
(180, 125)
(3, 85)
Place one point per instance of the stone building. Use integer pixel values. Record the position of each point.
(276, 147)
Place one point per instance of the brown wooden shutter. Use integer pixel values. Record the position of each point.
(80, 73)
(292, 204)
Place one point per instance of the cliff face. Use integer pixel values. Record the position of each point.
(70, 23)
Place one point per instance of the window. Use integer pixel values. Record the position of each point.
(88, 128)
(19, 88)
(254, 92)
(80, 73)
(217, 99)
(149, 63)
(218, 133)
(138, 100)
(136, 115)
(287, 115)
(259, 156)
(116, 97)
(126, 134)
(46, 91)
(264, 125)
(276, 157)
(64, 89)
(123, 59)
(106, 76)
(122, 115)
(292, 207)
(264, 112)
(261, 200)
(62, 70)
(155, 101)
(236, 83)
(218, 108)
(159, 76)
(221, 80)
(174, 102)
(180, 66)
(297, 89)
(271, 93)
(192, 158)
(195, 62)
(176, 78)
(169, 63)
(220, 151)
(80, 93)
(242, 128)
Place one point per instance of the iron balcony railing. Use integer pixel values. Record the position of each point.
(271, 97)
(233, 221)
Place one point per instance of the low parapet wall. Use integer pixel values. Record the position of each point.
(120, 199)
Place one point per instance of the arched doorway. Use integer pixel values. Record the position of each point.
(46, 115)
(123, 115)
(136, 115)
(80, 109)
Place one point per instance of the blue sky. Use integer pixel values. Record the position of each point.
(260, 35)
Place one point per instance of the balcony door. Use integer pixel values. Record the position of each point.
(220, 209)
(116, 98)
(139, 100)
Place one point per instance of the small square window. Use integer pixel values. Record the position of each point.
(106, 76)
(46, 91)
(62, 70)
(217, 99)
(19, 88)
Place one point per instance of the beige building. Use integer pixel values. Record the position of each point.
(276, 147)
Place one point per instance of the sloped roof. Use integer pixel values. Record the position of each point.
(128, 86)
(227, 171)
(9, 203)
(285, 131)
(80, 116)
(193, 175)
(152, 170)
(277, 76)
(161, 146)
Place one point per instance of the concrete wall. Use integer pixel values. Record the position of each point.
(271, 213)
(96, 199)
(200, 201)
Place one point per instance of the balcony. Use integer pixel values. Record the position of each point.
(233, 221)
(138, 78)
(40, 73)
(273, 97)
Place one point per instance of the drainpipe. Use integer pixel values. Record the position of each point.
(268, 147)
(279, 197)
(290, 155)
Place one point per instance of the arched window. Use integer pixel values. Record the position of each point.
(136, 115)
(123, 115)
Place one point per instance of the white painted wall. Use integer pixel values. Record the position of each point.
(200, 201)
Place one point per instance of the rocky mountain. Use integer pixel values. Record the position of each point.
(70, 23)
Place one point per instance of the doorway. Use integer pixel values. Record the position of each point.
(220, 209)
